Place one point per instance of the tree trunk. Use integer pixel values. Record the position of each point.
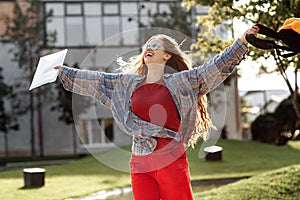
(293, 92)
(32, 134)
(295, 104)
(74, 140)
(32, 128)
(295, 99)
(6, 145)
(40, 125)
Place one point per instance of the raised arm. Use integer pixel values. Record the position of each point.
(98, 85)
(212, 73)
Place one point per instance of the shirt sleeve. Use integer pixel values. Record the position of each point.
(98, 85)
(212, 73)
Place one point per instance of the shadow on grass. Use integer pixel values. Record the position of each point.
(30, 188)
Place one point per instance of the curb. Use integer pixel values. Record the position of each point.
(20, 165)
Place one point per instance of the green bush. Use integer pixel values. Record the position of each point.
(285, 115)
(265, 128)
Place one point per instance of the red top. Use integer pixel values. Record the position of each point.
(153, 102)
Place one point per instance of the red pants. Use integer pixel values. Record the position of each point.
(171, 182)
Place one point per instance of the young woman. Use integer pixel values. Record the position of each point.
(164, 112)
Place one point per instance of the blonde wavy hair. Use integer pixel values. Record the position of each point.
(179, 61)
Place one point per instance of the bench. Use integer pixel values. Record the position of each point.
(34, 177)
(213, 153)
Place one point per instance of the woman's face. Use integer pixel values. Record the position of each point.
(154, 52)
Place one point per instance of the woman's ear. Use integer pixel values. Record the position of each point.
(167, 56)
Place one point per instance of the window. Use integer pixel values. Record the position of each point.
(148, 7)
(129, 8)
(88, 23)
(74, 9)
(111, 27)
(93, 30)
(164, 8)
(57, 25)
(111, 8)
(130, 32)
(56, 8)
(74, 31)
(92, 9)
(93, 132)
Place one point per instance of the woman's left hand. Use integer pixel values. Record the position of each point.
(253, 30)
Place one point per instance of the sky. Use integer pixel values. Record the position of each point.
(249, 70)
(250, 80)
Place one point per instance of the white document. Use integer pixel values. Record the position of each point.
(45, 72)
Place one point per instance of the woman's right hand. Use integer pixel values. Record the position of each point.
(57, 67)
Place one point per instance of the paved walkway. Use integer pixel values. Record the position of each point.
(107, 194)
(119, 192)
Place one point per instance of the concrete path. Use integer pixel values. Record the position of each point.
(106, 194)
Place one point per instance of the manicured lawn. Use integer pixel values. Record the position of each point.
(73, 179)
(88, 175)
(244, 159)
(283, 183)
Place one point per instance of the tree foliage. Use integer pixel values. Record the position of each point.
(25, 31)
(266, 12)
(276, 127)
(224, 12)
(64, 103)
(286, 115)
(178, 19)
(8, 120)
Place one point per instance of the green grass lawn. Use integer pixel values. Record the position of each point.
(88, 175)
(73, 179)
(244, 159)
(278, 184)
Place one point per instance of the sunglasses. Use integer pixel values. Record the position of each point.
(152, 46)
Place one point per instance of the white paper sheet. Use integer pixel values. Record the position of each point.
(45, 72)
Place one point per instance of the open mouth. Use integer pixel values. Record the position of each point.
(149, 54)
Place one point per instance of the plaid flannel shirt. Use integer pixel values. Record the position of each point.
(115, 90)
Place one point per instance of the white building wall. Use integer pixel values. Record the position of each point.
(224, 111)
(232, 120)
(57, 136)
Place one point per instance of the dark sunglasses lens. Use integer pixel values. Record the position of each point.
(154, 46)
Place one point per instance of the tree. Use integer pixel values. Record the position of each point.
(25, 31)
(245, 109)
(7, 117)
(65, 107)
(265, 129)
(269, 13)
(178, 19)
(276, 127)
(286, 115)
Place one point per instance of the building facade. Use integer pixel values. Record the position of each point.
(96, 33)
